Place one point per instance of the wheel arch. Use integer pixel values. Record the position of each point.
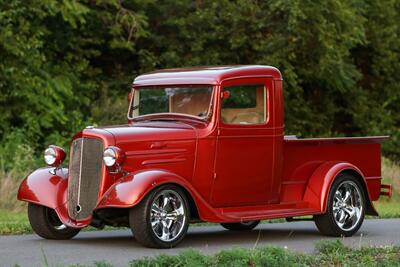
(370, 209)
(320, 183)
(44, 187)
(193, 211)
(130, 190)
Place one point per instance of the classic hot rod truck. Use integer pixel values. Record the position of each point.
(203, 144)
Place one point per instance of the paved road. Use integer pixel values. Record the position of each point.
(119, 247)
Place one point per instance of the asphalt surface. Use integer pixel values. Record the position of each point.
(119, 247)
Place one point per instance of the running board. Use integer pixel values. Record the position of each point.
(285, 210)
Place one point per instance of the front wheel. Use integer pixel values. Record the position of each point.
(345, 208)
(45, 223)
(161, 219)
(240, 226)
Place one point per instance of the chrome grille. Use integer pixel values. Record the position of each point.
(85, 170)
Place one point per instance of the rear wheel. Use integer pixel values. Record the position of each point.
(161, 219)
(345, 208)
(45, 223)
(240, 226)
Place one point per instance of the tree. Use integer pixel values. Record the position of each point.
(66, 64)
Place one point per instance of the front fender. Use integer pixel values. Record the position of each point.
(44, 188)
(319, 185)
(129, 190)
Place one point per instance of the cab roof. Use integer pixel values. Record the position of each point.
(212, 75)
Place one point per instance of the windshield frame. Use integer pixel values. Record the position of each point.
(153, 116)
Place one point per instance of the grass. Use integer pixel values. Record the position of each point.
(328, 253)
(14, 223)
(388, 209)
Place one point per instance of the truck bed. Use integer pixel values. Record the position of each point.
(301, 157)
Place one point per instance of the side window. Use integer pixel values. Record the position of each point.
(244, 104)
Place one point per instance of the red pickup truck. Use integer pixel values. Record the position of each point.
(203, 144)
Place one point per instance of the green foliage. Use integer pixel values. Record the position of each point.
(58, 60)
(241, 97)
(153, 101)
(67, 63)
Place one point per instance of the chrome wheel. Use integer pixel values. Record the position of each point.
(167, 215)
(347, 206)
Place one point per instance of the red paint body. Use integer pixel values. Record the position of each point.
(230, 172)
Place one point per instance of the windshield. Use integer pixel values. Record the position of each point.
(193, 100)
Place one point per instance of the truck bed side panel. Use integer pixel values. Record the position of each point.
(303, 156)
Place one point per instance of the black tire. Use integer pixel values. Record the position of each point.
(326, 223)
(240, 226)
(45, 223)
(140, 219)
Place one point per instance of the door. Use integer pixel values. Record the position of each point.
(244, 159)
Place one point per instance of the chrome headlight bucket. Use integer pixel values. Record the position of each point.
(54, 156)
(113, 156)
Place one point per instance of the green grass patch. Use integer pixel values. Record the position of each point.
(388, 209)
(329, 253)
(14, 223)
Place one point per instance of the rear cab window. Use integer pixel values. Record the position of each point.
(244, 104)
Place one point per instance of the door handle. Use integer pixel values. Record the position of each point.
(157, 145)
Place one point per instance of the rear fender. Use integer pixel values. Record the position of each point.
(129, 190)
(44, 188)
(318, 187)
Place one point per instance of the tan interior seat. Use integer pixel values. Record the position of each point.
(250, 117)
(196, 104)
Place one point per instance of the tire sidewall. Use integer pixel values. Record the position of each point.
(338, 181)
(39, 218)
(240, 226)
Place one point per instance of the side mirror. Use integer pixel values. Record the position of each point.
(130, 97)
(226, 94)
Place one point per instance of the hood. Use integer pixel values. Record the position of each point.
(151, 131)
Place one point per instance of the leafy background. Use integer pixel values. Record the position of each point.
(66, 64)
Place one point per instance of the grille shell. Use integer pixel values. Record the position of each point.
(85, 173)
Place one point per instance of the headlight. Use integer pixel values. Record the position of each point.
(54, 156)
(112, 156)
(109, 157)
